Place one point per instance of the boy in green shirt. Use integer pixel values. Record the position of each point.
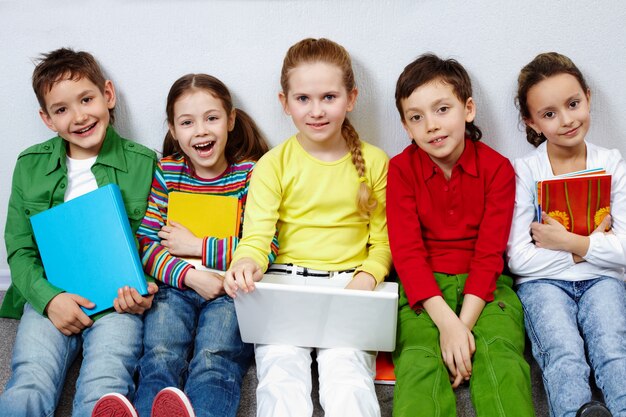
(77, 102)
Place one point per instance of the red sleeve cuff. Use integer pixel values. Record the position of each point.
(204, 243)
(418, 291)
(481, 285)
(183, 275)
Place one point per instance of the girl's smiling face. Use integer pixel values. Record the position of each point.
(559, 108)
(318, 101)
(201, 126)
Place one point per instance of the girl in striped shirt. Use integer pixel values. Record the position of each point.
(191, 338)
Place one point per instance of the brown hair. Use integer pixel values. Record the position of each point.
(66, 64)
(245, 141)
(324, 50)
(541, 67)
(429, 67)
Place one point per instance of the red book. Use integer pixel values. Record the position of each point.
(384, 369)
(577, 201)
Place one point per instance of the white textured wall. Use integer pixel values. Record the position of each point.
(144, 45)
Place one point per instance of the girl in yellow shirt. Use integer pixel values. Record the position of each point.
(323, 189)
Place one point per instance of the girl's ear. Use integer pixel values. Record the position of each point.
(171, 129)
(470, 110)
(589, 96)
(352, 95)
(232, 117)
(283, 102)
(533, 126)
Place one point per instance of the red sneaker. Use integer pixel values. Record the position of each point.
(171, 402)
(113, 405)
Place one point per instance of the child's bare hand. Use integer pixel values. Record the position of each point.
(457, 347)
(180, 241)
(549, 235)
(130, 301)
(64, 311)
(242, 274)
(605, 225)
(457, 380)
(206, 283)
(362, 281)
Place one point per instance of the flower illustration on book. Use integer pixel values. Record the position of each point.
(600, 215)
(561, 217)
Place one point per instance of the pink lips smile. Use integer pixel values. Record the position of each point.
(571, 132)
(205, 148)
(317, 125)
(436, 141)
(86, 130)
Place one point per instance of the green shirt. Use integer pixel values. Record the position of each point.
(39, 183)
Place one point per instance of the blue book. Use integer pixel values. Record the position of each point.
(88, 248)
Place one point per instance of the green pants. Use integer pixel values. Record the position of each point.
(500, 381)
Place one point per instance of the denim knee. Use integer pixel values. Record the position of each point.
(41, 358)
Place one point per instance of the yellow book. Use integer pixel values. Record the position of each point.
(205, 214)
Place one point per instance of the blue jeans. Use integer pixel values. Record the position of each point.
(195, 345)
(42, 356)
(565, 318)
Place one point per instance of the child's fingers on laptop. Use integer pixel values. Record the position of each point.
(230, 286)
(242, 274)
(251, 273)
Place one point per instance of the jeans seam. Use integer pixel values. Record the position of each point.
(530, 329)
(66, 365)
(548, 394)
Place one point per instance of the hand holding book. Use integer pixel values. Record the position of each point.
(552, 234)
(130, 301)
(180, 241)
(64, 311)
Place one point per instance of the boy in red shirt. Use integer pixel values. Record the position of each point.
(449, 208)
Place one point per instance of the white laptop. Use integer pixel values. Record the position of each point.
(318, 312)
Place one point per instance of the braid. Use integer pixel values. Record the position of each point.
(366, 203)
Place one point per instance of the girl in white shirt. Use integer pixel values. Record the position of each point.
(571, 286)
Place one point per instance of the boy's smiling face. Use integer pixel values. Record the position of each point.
(79, 112)
(434, 117)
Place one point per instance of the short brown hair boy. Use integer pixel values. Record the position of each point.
(429, 67)
(66, 64)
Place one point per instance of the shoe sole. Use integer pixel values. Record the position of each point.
(171, 402)
(113, 405)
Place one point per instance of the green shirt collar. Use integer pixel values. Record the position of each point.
(111, 153)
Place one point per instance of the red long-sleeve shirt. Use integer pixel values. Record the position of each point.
(454, 226)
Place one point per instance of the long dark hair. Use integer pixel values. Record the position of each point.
(541, 67)
(245, 141)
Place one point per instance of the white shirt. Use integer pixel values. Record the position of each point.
(607, 252)
(80, 179)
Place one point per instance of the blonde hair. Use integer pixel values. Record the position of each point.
(324, 50)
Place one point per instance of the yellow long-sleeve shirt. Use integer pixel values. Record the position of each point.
(312, 203)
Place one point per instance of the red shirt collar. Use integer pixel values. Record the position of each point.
(467, 161)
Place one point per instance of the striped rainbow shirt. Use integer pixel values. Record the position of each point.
(174, 174)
